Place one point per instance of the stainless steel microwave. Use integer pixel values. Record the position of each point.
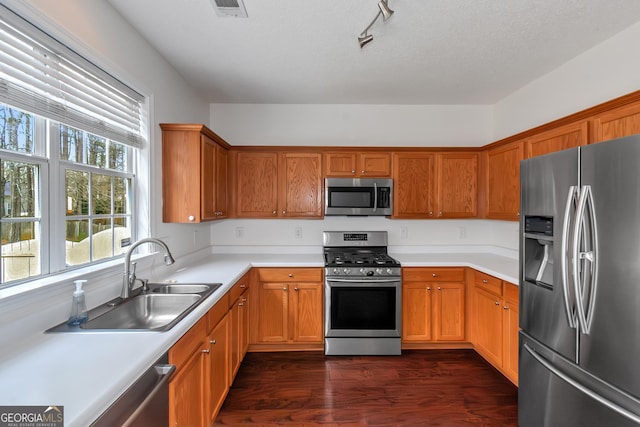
(358, 196)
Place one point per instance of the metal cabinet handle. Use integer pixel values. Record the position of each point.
(485, 281)
(290, 274)
(439, 288)
(275, 212)
(284, 289)
(240, 304)
(192, 218)
(497, 302)
(430, 212)
(353, 171)
(243, 286)
(439, 213)
(244, 300)
(428, 288)
(362, 171)
(206, 351)
(434, 275)
(295, 289)
(212, 341)
(506, 307)
(284, 212)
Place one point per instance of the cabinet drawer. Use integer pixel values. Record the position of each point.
(188, 344)
(433, 274)
(217, 312)
(237, 289)
(489, 283)
(290, 274)
(511, 291)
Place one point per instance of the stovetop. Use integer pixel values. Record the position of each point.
(360, 253)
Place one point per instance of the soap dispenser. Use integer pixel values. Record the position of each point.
(78, 306)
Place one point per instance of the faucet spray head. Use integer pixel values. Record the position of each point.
(168, 259)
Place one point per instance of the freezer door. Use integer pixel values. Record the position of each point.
(559, 393)
(548, 184)
(610, 349)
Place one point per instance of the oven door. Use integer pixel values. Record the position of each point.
(362, 308)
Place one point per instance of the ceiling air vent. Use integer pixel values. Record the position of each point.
(233, 8)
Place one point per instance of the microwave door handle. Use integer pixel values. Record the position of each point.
(375, 196)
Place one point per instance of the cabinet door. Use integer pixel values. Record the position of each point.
(340, 164)
(187, 393)
(181, 152)
(244, 320)
(273, 312)
(208, 178)
(374, 164)
(257, 185)
(562, 138)
(300, 193)
(511, 329)
(448, 312)
(413, 195)
(235, 338)
(416, 311)
(503, 181)
(457, 179)
(219, 380)
(222, 183)
(488, 326)
(623, 121)
(306, 312)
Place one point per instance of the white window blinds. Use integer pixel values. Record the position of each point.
(41, 75)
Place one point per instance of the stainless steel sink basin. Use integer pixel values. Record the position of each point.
(182, 288)
(159, 309)
(147, 311)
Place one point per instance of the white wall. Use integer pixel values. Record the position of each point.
(353, 125)
(608, 70)
(235, 235)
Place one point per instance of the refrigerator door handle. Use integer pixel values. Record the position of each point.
(578, 385)
(585, 314)
(569, 305)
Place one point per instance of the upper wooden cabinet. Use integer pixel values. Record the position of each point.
(617, 123)
(351, 164)
(194, 174)
(457, 181)
(435, 185)
(502, 181)
(272, 184)
(561, 138)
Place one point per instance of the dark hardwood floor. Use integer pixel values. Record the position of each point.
(419, 388)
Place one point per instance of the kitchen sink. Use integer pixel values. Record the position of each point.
(145, 311)
(180, 288)
(158, 309)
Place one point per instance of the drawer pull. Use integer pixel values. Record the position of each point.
(206, 351)
(434, 275)
(290, 274)
(485, 281)
(212, 342)
(428, 288)
(439, 288)
(497, 302)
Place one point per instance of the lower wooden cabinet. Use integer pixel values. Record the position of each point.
(188, 387)
(288, 308)
(495, 320)
(433, 305)
(207, 358)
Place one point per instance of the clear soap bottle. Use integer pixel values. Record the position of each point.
(78, 313)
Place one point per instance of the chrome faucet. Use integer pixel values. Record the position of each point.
(129, 278)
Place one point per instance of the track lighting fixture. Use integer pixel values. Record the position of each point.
(386, 13)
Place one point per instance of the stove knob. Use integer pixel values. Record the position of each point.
(370, 273)
(379, 271)
(363, 271)
(336, 271)
(389, 271)
(347, 271)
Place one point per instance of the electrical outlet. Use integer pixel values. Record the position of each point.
(404, 233)
(239, 232)
(298, 232)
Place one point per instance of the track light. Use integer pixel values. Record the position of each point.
(386, 13)
(384, 9)
(364, 39)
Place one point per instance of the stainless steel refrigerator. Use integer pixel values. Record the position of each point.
(580, 287)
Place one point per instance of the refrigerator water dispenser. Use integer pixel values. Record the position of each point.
(538, 250)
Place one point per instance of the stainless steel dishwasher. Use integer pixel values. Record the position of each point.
(145, 403)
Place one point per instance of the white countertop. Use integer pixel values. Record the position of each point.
(86, 371)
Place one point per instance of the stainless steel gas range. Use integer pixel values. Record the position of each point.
(363, 299)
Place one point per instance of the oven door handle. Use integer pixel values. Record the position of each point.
(355, 279)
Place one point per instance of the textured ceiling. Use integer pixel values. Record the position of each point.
(428, 52)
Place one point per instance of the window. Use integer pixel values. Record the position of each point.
(69, 143)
